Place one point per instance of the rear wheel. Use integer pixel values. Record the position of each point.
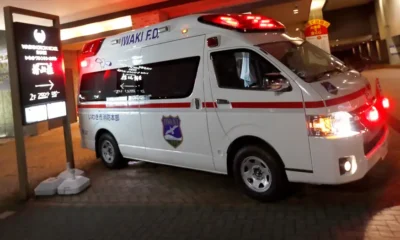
(109, 153)
(259, 174)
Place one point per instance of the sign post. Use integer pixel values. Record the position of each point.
(37, 82)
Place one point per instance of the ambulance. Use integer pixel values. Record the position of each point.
(230, 94)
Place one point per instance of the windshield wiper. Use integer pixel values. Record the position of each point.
(320, 75)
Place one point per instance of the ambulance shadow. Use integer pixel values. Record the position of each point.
(360, 209)
(394, 123)
(351, 211)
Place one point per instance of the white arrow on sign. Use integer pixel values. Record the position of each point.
(123, 86)
(51, 85)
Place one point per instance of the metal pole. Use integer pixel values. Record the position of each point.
(69, 150)
(16, 106)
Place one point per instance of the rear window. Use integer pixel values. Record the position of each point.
(161, 80)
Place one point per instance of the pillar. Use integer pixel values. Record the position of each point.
(369, 49)
(389, 27)
(374, 51)
(316, 30)
(378, 49)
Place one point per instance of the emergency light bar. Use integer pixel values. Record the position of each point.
(91, 48)
(243, 22)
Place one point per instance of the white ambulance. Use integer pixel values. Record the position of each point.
(230, 94)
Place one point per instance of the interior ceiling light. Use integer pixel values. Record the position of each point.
(295, 10)
(98, 27)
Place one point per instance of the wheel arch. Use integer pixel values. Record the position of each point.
(99, 133)
(247, 140)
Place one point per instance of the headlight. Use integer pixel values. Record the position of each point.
(335, 125)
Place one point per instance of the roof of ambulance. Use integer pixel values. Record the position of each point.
(194, 28)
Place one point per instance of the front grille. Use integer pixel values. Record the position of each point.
(369, 145)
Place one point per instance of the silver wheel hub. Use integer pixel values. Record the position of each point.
(256, 174)
(107, 151)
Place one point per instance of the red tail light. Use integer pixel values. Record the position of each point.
(372, 114)
(84, 63)
(385, 103)
(243, 22)
(91, 48)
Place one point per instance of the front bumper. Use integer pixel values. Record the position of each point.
(326, 153)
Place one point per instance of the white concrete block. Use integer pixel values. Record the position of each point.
(72, 186)
(48, 187)
(66, 174)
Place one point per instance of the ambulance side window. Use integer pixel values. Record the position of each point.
(170, 79)
(161, 80)
(97, 86)
(241, 69)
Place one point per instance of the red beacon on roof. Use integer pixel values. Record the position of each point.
(90, 49)
(243, 22)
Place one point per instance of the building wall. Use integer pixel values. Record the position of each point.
(148, 18)
(6, 117)
(352, 22)
(291, 30)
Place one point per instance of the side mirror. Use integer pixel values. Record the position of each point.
(275, 82)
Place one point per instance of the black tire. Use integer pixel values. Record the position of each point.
(277, 187)
(114, 160)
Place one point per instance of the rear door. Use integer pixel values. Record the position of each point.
(245, 107)
(173, 120)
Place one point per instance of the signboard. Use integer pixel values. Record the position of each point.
(41, 74)
(394, 49)
(316, 32)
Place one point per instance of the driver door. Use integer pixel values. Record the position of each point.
(246, 104)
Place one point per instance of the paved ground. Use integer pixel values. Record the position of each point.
(45, 158)
(147, 201)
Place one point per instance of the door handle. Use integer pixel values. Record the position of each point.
(197, 103)
(222, 101)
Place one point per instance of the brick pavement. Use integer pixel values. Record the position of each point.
(45, 158)
(148, 201)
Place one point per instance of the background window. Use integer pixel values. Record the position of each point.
(241, 69)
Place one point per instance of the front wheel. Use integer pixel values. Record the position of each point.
(109, 152)
(259, 174)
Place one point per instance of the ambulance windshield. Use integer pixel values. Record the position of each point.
(306, 60)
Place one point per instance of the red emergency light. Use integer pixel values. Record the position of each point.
(385, 103)
(372, 114)
(243, 22)
(90, 49)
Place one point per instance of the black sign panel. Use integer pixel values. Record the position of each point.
(41, 73)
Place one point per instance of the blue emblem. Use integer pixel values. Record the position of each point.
(172, 130)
